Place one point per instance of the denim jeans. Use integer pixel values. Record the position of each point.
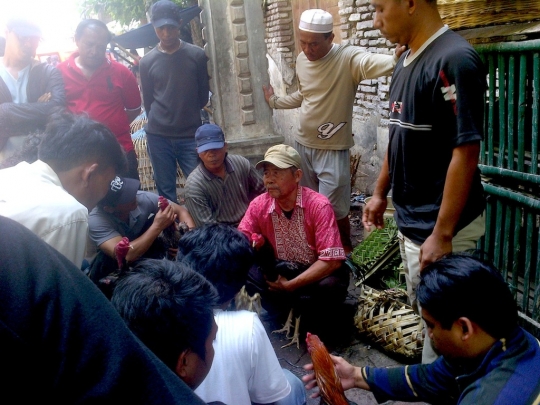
(164, 152)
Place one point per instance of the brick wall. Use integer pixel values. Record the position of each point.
(279, 38)
(356, 20)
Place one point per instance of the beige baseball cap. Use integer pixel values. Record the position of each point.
(282, 156)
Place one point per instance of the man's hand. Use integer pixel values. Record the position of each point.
(281, 284)
(164, 218)
(433, 248)
(373, 213)
(349, 375)
(268, 92)
(257, 241)
(173, 252)
(44, 98)
(399, 51)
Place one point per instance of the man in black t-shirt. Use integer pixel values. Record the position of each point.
(435, 130)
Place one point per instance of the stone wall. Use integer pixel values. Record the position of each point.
(370, 112)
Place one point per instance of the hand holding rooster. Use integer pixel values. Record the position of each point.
(333, 375)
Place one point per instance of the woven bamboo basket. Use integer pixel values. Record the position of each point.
(388, 322)
(146, 172)
(138, 123)
(462, 14)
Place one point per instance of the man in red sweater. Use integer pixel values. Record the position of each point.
(105, 90)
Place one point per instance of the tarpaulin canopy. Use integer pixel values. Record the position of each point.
(145, 36)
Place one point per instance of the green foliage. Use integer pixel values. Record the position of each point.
(124, 11)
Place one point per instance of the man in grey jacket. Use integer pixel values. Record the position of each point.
(29, 90)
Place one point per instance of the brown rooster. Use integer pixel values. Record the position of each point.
(330, 387)
(171, 235)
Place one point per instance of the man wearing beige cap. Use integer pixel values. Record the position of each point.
(29, 90)
(328, 75)
(299, 225)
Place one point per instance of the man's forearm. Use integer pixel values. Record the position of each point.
(382, 188)
(317, 271)
(286, 102)
(456, 189)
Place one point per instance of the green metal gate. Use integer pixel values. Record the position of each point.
(509, 165)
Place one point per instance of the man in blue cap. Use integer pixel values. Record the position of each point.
(174, 80)
(222, 185)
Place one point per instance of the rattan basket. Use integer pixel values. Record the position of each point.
(461, 14)
(388, 322)
(146, 172)
(138, 123)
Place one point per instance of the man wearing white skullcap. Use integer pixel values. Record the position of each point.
(328, 75)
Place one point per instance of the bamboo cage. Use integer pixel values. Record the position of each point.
(146, 172)
(463, 14)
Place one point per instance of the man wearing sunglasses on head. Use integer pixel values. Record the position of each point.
(29, 90)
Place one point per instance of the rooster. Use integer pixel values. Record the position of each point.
(290, 270)
(107, 283)
(272, 269)
(170, 236)
(330, 387)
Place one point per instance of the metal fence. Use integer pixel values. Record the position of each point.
(510, 170)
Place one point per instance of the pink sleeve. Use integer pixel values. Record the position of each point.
(248, 224)
(327, 239)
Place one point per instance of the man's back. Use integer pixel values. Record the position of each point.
(53, 322)
(32, 195)
(245, 366)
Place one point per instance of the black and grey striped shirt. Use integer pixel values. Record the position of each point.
(209, 198)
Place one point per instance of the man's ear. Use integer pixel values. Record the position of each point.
(298, 175)
(182, 363)
(466, 327)
(88, 171)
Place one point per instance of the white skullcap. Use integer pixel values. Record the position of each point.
(316, 20)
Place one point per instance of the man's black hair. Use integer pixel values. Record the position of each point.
(219, 252)
(460, 285)
(90, 22)
(168, 306)
(70, 140)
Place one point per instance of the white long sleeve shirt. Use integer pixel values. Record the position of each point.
(32, 195)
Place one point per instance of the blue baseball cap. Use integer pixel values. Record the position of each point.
(209, 136)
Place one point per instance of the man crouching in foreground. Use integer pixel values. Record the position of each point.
(471, 318)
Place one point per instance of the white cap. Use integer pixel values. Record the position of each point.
(316, 20)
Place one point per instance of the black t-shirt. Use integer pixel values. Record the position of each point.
(436, 104)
